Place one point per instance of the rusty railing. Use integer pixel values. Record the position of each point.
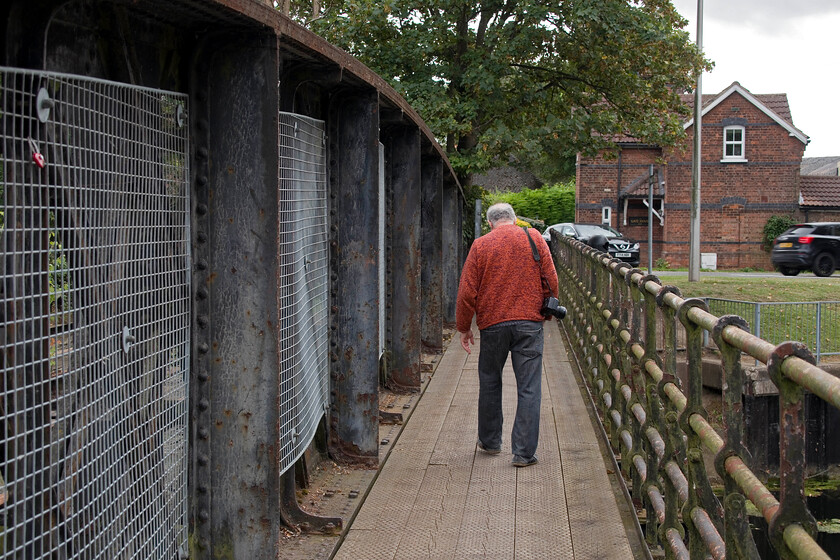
(662, 431)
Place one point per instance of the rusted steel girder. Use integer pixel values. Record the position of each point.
(452, 208)
(235, 391)
(354, 134)
(431, 240)
(403, 174)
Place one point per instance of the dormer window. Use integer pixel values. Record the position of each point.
(733, 143)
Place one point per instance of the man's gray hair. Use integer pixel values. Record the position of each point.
(501, 212)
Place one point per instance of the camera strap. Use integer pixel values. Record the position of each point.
(537, 259)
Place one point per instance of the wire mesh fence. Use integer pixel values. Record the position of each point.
(814, 323)
(94, 318)
(304, 283)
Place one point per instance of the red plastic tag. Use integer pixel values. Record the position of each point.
(39, 160)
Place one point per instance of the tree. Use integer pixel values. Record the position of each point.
(531, 77)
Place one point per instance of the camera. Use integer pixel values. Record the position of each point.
(551, 308)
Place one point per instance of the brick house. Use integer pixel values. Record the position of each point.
(751, 157)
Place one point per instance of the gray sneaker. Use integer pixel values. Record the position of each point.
(519, 461)
(488, 450)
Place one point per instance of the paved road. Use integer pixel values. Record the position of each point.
(724, 273)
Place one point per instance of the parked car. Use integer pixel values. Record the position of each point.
(600, 236)
(812, 246)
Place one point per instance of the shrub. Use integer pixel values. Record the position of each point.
(661, 264)
(775, 226)
(551, 204)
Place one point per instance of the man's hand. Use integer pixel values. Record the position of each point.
(467, 339)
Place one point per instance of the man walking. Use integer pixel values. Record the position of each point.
(501, 286)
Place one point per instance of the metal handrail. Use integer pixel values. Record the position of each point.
(615, 313)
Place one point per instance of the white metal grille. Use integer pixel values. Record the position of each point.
(303, 283)
(94, 318)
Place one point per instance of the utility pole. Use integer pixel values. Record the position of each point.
(694, 239)
(650, 219)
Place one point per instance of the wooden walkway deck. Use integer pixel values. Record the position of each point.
(437, 496)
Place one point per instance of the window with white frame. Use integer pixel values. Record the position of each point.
(733, 143)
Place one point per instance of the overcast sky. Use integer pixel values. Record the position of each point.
(777, 46)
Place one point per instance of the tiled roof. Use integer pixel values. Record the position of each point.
(774, 105)
(820, 166)
(819, 190)
(776, 102)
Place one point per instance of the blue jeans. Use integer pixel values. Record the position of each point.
(524, 341)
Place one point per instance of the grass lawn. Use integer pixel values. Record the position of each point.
(757, 289)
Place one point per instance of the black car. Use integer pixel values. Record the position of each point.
(602, 237)
(813, 246)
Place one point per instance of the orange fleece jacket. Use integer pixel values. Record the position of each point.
(501, 280)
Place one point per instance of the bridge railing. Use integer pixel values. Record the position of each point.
(616, 317)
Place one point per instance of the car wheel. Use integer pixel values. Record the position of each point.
(789, 270)
(824, 264)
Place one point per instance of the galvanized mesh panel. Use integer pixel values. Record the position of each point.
(815, 324)
(303, 283)
(94, 318)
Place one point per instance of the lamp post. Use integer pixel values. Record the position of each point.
(694, 237)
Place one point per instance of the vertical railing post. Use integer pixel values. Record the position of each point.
(674, 457)
(619, 364)
(737, 534)
(792, 506)
(700, 491)
(817, 344)
(653, 420)
(757, 323)
(669, 327)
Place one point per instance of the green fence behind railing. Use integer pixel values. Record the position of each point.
(814, 323)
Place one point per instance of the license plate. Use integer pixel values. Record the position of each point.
(785, 245)
(624, 255)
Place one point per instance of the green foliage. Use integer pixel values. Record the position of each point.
(58, 273)
(552, 204)
(661, 264)
(536, 79)
(775, 226)
(59, 278)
